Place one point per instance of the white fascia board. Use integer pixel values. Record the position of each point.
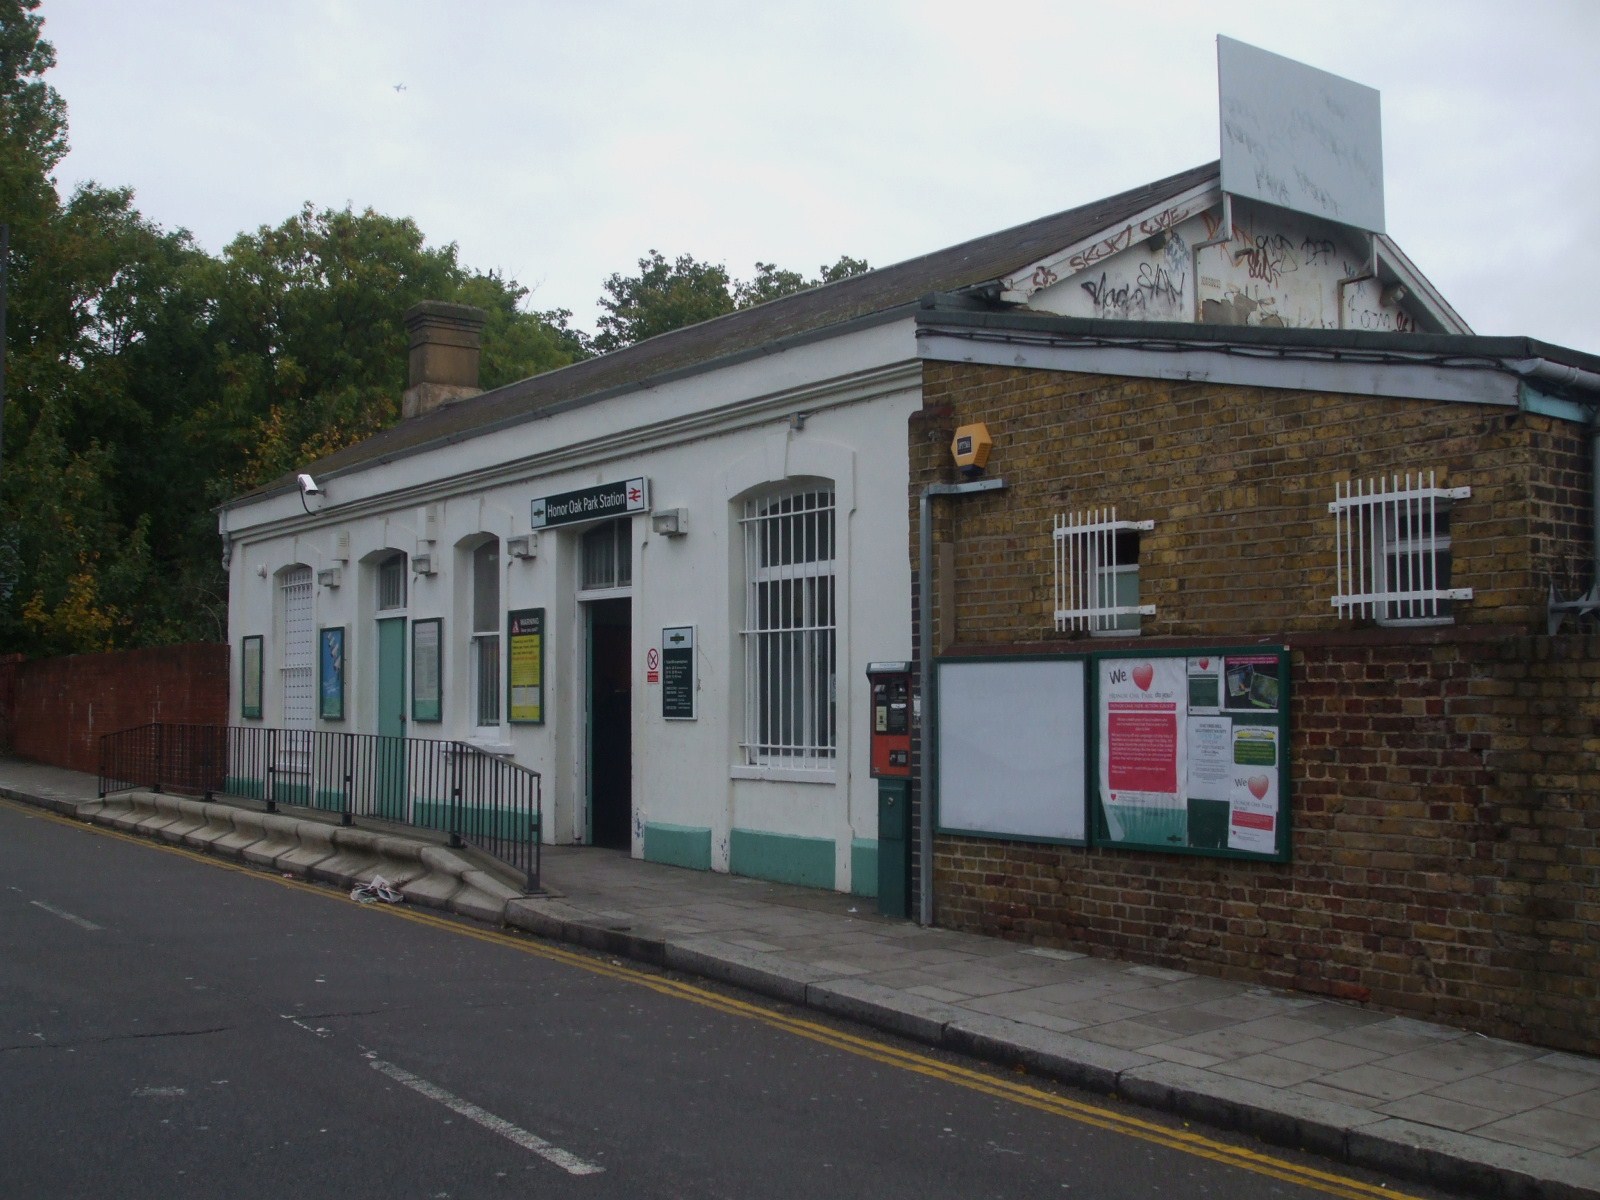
(1391, 256)
(1419, 380)
(1020, 285)
(858, 365)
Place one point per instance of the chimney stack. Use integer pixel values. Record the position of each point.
(445, 339)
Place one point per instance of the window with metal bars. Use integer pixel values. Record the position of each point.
(392, 582)
(485, 649)
(1097, 573)
(296, 638)
(789, 630)
(1393, 542)
(608, 555)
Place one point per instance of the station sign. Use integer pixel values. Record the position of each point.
(591, 504)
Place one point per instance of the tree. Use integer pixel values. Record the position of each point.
(665, 296)
(773, 283)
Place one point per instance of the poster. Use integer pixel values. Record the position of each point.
(1253, 802)
(525, 676)
(1144, 749)
(1192, 752)
(426, 693)
(330, 674)
(250, 678)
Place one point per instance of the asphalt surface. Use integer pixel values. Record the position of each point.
(174, 1027)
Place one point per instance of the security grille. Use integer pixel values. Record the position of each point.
(486, 632)
(1097, 572)
(608, 555)
(789, 631)
(392, 582)
(1393, 542)
(299, 695)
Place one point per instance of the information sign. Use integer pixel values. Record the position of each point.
(678, 673)
(525, 677)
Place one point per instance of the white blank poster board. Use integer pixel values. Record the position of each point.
(1012, 748)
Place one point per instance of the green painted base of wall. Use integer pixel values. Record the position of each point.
(293, 793)
(678, 845)
(863, 867)
(475, 822)
(329, 801)
(243, 785)
(782, 857)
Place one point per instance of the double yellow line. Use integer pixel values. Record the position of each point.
(972, 1079)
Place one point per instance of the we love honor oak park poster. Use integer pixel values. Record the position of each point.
(1191, 752)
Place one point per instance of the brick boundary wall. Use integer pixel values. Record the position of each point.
(55, 710)
(1445, 856)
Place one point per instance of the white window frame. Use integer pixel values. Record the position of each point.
(297, 687)
(1386, 528)
(791, 663)
(390, 573)
(1087, 570)
(485, 678)
(619, 533)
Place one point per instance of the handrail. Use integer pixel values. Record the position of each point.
(478, 799)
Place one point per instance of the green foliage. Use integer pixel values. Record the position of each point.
(665, 296)
(147, 381)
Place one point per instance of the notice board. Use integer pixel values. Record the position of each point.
(525, 676)
(1192, 752)
(1011, 744)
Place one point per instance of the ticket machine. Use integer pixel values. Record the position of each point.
(890, 684)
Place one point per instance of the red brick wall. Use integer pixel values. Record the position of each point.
(55, 710)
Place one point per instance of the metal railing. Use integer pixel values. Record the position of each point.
(477, 798)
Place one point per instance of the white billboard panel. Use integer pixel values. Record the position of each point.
(1298, 137)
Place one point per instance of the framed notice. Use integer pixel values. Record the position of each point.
(427, 694)
(525, 674)
(1192, 752)
(677, 673)
(250, 678)
(1012, 748)
(330, 674)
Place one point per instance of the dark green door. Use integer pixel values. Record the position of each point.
(391, 748)
(610, 725)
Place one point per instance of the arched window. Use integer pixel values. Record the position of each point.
(789, 629)
(295, 640)
(485, 649)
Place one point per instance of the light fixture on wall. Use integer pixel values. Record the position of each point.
(332, 577)
(670, 522)
(524, 547)
(422, 564)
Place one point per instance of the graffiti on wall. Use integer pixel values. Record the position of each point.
(1276, 269)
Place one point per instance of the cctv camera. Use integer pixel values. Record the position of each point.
(309, 486)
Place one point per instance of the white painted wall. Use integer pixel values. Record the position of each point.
(702, 442)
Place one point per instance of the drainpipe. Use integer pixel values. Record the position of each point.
(1194, 251)
(925, 675)
(1370, 273)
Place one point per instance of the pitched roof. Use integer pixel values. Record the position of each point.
(884, 290)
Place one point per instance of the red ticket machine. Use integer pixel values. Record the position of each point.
(890, 683)
(891, 719)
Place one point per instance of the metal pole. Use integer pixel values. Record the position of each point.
(927, 782)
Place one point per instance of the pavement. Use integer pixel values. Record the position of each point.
(1413, 1099)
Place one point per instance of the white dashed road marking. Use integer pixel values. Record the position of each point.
(570, 1163)
(65, 915)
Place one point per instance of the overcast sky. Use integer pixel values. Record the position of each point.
(558, 142)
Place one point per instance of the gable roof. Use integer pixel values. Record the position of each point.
(695, 347)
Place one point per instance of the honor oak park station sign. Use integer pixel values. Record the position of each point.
(591, 504)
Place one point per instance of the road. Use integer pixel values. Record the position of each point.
(176, 1026)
